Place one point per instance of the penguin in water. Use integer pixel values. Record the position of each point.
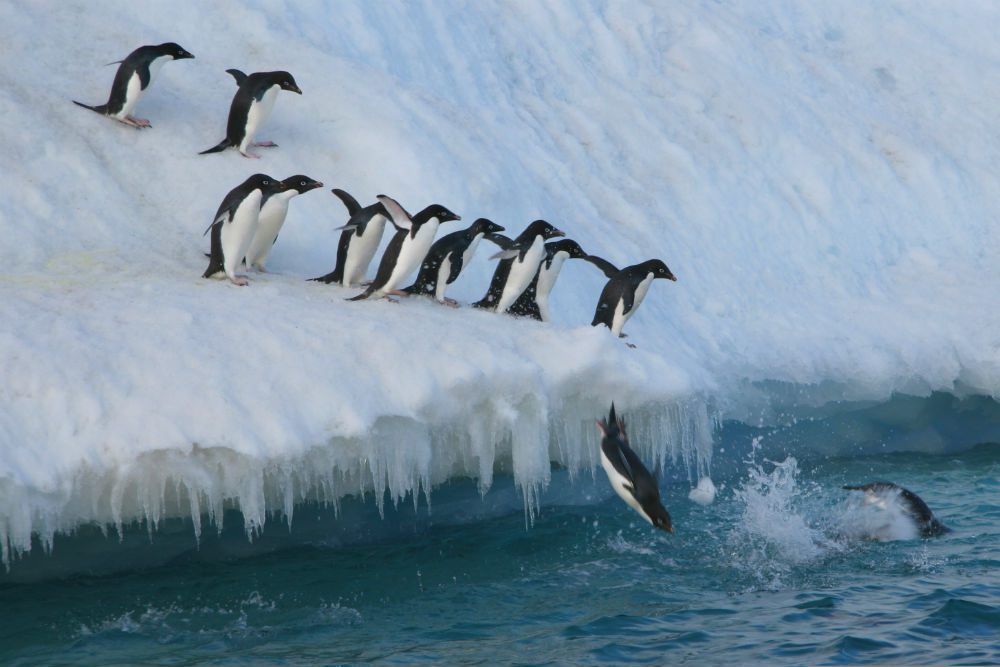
(625, 290)
(272, 217)
(880, 494)
(628, 476)
(251, 106)
(358, 241)
(447, 257)
(408, 247)
(236, 223)
(534, 301)
(135, 73)
(522, 259)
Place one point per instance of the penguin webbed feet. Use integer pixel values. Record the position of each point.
(239, 281)
(447, 301)
(252, 156)
(137, 123)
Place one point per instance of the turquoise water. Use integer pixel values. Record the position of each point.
(764, 575)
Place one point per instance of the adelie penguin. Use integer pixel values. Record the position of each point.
(134, 76)
(628, 476)
(916, 511)
(251, 106)
(358, 241)
(407, 248)
(272, 217)
(534, 301)
(625, 290)
(517, 266)
(446, 259)
(235, 224)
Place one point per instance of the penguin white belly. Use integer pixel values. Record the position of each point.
(272, 217)
(470, 251)
(621, 317)
(618, 483)
(361, 250)
(237, 234)
(411, 254)
(521, 273)
(258, 113)
(547, 276)
(132, 94)
(442, 278)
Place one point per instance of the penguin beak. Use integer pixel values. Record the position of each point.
(672, 277)
(295, 89)
(557, 232)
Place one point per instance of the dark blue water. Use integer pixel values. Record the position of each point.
(767, 574)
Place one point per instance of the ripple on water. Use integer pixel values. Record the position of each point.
(961, 618)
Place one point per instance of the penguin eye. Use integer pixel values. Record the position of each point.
(267, 182)
(302, 182)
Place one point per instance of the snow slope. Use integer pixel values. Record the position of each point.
(821, 179)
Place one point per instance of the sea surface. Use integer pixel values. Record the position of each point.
(771, 573)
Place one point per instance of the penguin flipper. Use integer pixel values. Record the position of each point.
(350, 203)
(218, 148)
(500, 240)
(100, 108)
(508, 253)
(238, 75)
(612, 448)
(604, 265)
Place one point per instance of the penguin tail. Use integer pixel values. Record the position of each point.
(482, 304)
(218, 148)
(213, 268)
(334, 276)
(364, 295)
(100, 108)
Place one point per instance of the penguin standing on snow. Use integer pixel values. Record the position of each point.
(272, 217)
(534, 301)
(447, 257)
(880, 493)
(628, 476)
(133, 77)
(251, 106)
(236, 223)
(408, 248)
(525, 254)
(358, 241)
(625, 290)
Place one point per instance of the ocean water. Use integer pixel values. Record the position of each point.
(769, 573)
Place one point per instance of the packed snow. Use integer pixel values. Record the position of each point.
(821, 178)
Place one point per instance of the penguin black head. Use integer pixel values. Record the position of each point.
(658, 269)
(486, 226)
(266, 184)
(301, 183)
(546, 230)
(173, 49)
(569, 246)
(286, 81)
(435, 211)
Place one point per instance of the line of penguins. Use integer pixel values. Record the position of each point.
(251, 215)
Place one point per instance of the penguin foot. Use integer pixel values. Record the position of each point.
(253, 156)
(397, 292)
(451, 303)
(240, 280)
(265, 144)
(390, 299)
(138, 123)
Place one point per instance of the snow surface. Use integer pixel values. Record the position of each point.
(821, 177)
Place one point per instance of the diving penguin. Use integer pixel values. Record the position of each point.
(358, 241)
(251, 106)
(534, 301)
(135, 73)
(272, 217)
(235, 224)
(407, 248)
(447, 257)
(628, 476)
(625, 290)
(880, 493)
(525, 254)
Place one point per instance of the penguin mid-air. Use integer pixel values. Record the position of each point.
(135, 73)
(446, 259)
(407, 248)
(534, 301)
(235, 224)
(251, 106)
(272, 217)
(881, 494)
(522, 258)
(358, 241)
(625, 290)
(628, 476)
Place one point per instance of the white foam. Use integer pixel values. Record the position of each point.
(704, 492)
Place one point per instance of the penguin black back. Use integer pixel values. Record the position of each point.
(927, 524)
(453, 244)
